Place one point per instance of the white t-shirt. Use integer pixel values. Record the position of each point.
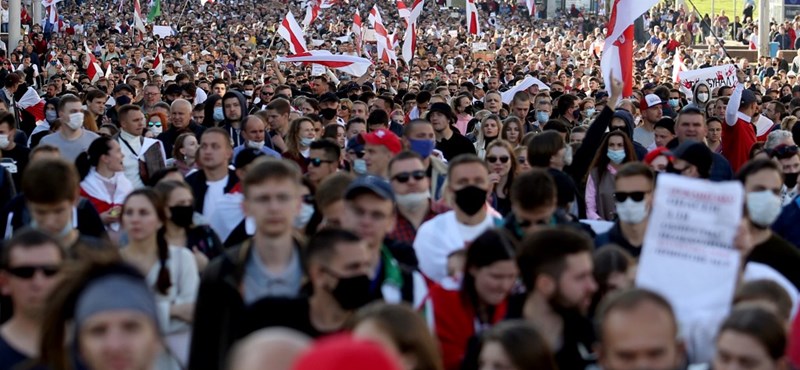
(442, 235)
(215, 191)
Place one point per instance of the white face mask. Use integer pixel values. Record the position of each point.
(764, 207)
(255, 144)
(157, 130)
(702, 97)
(568, 155)
(75, 120)
(306, 212)
(413, 200)
(632, 212)
(4, 142)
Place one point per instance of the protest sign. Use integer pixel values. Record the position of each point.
(163, 31)
(523, 85)
(478, 46)
(484, 55)
(714, 77)
(317, 70)
(688, 254)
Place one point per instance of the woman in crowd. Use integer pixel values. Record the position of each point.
(587, 110)
(103, 181)
(515, 345)
(156, 124)
(335, 133)
(171, 272)
(614, 269)
(512, 131)
(103, 334)
(49, 125)
(298, 141)
(657, 159)
(502, 167)
(714, 136)
(752, 336)
(459, 316)
(400, 331)
(184, 153)
(213, 111)
(702, 95)
(201, 240)
(521, 152)
(462, 106)
(615, 151)
(307, 105)
(345, 109)
(488, 131)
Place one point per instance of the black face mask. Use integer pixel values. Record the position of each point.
(328, 113)
(352, 292)
(471, 199)
(790, 179)
(181, 215)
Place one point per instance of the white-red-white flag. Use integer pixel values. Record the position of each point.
(312, 12)
(358, 32)
(617, 58)
(93, 70)
(51, 10)
(158, 63)
(293, 34)
(473, 24)
(677, 66)
(410, 37)
(531, 7)
(138, 22)
(374, 16)
(32, 103)
(349, 64)
(203, 2)
(403, 11)
(385, 44)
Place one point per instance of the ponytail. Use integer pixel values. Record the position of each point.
(91, 157)
(164, 281)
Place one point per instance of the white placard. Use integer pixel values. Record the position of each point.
(688, 254)
(714, 77)
(478, 46)
(163, 31)
(317, 69)
(523, 85)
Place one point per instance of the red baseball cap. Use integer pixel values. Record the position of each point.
(342, 352)
(384, 137)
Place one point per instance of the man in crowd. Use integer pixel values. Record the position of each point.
(278, 121)
(738, 129)
(651, 113)
(634, 185)
(215, 179)
(323, 160)
(142, 157)
(71, 139)
(691, 125)
(419, 137)
(448, 139)
(180, 121)
(254, 133)
(379, 148)
(234, 107)
(411, 187)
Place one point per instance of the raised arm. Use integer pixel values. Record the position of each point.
(736, 99)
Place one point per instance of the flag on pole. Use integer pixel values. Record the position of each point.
(473, 25)
(203, 2)
(531, 7)
(93, 70)
(293, 34)
(51, 9)
(677, 66)
(355, 66)
(617, 57)
(405, 14)
(410, 37)
(158, 63)
(385, 45)
(358, 32)
(312, 12)
(138, 23)
(374, 16)
(155, 11)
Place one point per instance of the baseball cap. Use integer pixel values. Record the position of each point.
(356, 143)
(697, 154)
(384, 137)
(342, 352)
(369, 184)
(121, 87)
(649, 101)
(748, 97)
(649, 86)
(246, 156)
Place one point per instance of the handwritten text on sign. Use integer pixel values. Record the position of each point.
(688, 254)
(713, 77)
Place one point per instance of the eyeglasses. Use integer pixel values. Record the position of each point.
(268, 93)
(403, 177)
(502, 159)
(316, 162)
(156, 124)
(27, 272)
(102, 87)
(637, 196)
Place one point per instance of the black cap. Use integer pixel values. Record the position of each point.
(247, 156)
(173, 89)
(121, 87)
(369, 184)
(328, 97)
(443, 108)
(748, 97)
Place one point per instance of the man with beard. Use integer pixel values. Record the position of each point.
(559, 286)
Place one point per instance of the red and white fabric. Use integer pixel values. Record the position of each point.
(51, 9)
(385, 44)
(617, 58)
(403, 11)
(138, 22)
(351, 65)
(293, 34)
(358, 32)
(531, 7)
(32, 103)
(312, 12)
(93, 70)
(158, 63)
(473, 24)
(410, 37)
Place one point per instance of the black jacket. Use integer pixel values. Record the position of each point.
(197, 181)
(89, 222)
(227, 124)
(168, 137)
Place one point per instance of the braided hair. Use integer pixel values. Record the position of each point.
(164, 281)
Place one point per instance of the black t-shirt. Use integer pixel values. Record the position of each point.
(293, 313)
(9, 356)
(457, 144)
(780, 255)
(20, 155)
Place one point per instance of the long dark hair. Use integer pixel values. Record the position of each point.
(165, 189)
(91, 157)
(492, 246)
(524, 345)
(601, 160)
(164, 281)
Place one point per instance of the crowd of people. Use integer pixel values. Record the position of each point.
(195, 204)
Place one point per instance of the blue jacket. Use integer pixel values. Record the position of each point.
(786, 224)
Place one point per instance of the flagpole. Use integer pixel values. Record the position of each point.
(180, 17)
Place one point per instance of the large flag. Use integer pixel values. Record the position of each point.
(93, 70)
(32, 103)
(617, 58)
(405, 14)
(677, 66)
(531, 7)
(51, 9)
(374, 16)
(358, 32)
(158, 63)
(473, 25)
(312, 12)
(385, 44)
(293, 34)
(355, 66)
(155, 11)
(138, 24)
(410, 37)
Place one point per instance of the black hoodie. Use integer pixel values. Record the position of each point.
(227, 125)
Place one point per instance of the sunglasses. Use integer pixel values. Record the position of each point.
(156, 124)
(637, 196)
(403, 177)
(316, 162)
(267, 93)
(784, 151)
(502, 159)
(27, 272)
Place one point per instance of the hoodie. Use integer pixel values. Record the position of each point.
(227, 124)
(208, 119)
(624, 115)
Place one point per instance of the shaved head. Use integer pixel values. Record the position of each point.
(278, 347)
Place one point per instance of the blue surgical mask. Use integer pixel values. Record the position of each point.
(616, 156)
(218, 114)
(360, 166)
(674, 103)
(542, 117)
(51, 116)
(422, 147)
(590, 112)
(306, 141)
